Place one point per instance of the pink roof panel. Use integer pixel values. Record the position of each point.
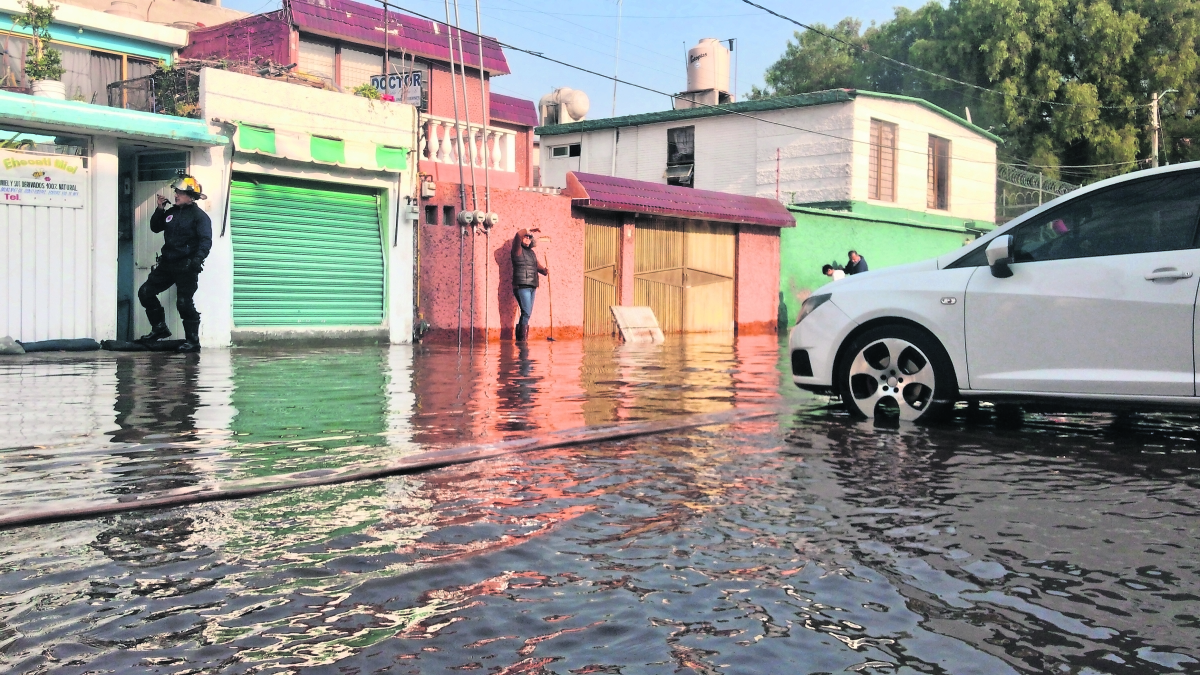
(606, 193)
(363, 24)
(513, 110)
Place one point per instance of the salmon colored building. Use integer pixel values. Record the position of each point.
(705, 262)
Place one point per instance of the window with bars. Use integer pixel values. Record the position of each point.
(881, 176)
(938, 191)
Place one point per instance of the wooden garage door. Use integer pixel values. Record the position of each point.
(601, 250)
(684, 272)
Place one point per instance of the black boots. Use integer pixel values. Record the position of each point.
(522, 332)
(191, 332)
(158, 326)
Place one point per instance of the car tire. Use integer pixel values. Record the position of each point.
(897, 366)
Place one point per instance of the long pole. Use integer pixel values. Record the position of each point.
(487, 179)
(462, 189)
(1154, 129)
(462, 62)
(617, 59)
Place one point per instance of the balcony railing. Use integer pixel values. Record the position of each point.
(444, 141)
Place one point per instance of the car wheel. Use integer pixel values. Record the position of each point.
(897, 367)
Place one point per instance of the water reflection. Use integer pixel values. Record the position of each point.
(82, 428)
(808, 543)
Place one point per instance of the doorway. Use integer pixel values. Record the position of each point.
(684, 271)
(143, 175)
(601, 251)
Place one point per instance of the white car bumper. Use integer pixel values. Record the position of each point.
(814, 343)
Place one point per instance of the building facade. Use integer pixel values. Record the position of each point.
(896, 178)
(309, 191)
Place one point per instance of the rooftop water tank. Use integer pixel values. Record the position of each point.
(563, 106)
(708, 66)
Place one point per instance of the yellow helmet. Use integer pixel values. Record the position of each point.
(189, 186)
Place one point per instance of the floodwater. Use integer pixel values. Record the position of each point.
(801, 542)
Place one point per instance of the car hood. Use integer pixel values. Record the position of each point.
(869, 277)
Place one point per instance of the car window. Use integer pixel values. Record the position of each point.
(1157, 214)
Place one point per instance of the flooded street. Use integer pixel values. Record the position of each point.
(799, 542)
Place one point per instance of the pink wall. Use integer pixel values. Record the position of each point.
(756, 291)
(439, 268)
(441, 101)
(266, 35)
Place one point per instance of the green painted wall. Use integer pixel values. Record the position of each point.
(884, 236)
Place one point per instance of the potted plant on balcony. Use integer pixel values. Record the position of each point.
(43, 63)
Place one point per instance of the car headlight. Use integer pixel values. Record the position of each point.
(811, 304)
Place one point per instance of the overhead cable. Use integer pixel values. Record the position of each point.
(918, 69)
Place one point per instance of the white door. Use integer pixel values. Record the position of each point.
(155, 174)
(1101, 299)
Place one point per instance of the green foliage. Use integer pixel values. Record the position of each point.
(1103, 57)
(369, 92)
(42, 62)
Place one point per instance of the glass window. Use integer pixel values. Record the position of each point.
(1155, 214)
(317, 58)
(358, 66)
(937, 195)
(43, 142)
(881, 174)
(12, 62)
(681, 146)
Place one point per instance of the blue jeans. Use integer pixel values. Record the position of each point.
(525, 302)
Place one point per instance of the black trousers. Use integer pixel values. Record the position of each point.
(162, 276)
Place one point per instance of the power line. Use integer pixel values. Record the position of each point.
(930, 73)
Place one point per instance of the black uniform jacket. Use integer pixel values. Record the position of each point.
(187, 232)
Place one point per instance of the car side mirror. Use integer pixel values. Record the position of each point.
(1000, 256)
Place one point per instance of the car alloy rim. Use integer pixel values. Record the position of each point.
(892, 368)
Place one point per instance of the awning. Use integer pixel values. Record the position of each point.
(606, 193)
(302, 146)
(86, 118)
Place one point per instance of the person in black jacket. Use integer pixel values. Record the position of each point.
(856, 263)
(526, 269)
(187, 238)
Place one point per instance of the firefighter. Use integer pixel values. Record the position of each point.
(187, 238)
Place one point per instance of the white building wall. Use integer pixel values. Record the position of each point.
(46, 270)
(972, 159)
(285, 107)
(813, 154)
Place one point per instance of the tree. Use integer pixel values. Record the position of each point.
(1067, 81)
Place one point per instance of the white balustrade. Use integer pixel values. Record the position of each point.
(444, 142)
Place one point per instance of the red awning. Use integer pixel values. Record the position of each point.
(606, 193)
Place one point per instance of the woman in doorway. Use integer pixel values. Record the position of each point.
(526, 269)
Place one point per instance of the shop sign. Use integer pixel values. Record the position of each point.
(28, 179)
(406, 88)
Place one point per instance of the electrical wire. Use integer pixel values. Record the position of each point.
(923, 71)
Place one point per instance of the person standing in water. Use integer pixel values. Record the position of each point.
(526, 269)
(187, 239)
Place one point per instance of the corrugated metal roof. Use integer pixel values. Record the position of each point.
(514, 110)
(606, 193)
(750, 107)
(363, 24)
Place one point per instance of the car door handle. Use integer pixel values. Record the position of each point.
(1168, 273)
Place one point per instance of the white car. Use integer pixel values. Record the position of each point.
(1088, 300)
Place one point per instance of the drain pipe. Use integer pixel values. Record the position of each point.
(462, 188)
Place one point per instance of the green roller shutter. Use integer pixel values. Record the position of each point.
(305, 254)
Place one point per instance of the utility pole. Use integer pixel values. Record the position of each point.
(617, 62)
(1154, 126)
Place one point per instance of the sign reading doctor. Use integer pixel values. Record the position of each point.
(406, 87)
(28, 179)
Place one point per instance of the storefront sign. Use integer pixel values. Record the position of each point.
(29, 179)
(405, 88)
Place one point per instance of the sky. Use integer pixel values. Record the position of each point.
(655, 36)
